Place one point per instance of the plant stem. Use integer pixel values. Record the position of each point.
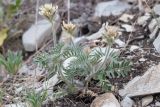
(68, 7)
(72, 43)
(88, 78)
(54, 33)
(64, 78)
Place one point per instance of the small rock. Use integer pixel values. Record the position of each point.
(120, 43)
(143, 19)
(156, 9)
(17, 105)
(105, 100)
(110, 8)
(127, 102)
(38, 34)
(146, 100)
(143, 85)
(153, 24)
(126, 18)
(35, 36)
(128, 28)
(134, 47)
(80, 40)
(157, 104)
(142, 59)
(156, 43)
(154, 33)
(123, 91)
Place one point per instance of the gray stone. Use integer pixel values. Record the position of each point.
(105, 100)
(147, 100)
(110, 7)
(156, 43)
(153, 24)
(128, 28)
(153, 34)
(157, 104)
(126, 18)
(143, 19)
(134, 47)
(38, 34)
(144, 85)
(120, 43)
(127, 102)
(142, 59)
(156, 9)
(17, 105)
(80, 41)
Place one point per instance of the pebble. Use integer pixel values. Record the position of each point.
(128, 28)
(143, 19)
(111, 8)
(127, 102)
(126, 18)
(156, 9)
(105, 100)
(146, 100)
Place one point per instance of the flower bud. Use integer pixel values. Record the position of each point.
(110, 34)
(48, 10)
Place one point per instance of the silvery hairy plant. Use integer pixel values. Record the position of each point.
(87, 65)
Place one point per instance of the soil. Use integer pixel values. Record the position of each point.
(139, 38)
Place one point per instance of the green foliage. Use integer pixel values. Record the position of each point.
(103, 81)
(36, 99)
(13, 8)
(51, 61)
(12, 62)
(7, 13)
(97, 65)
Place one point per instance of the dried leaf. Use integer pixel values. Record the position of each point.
(3, 35)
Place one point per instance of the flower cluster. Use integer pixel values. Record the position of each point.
(69, 28)
(110, 34)
(48, 10)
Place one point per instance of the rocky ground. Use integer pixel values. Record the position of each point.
(139, 42)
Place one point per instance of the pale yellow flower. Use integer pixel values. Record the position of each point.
(48, 10)
(68, 27)
(110, 33)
